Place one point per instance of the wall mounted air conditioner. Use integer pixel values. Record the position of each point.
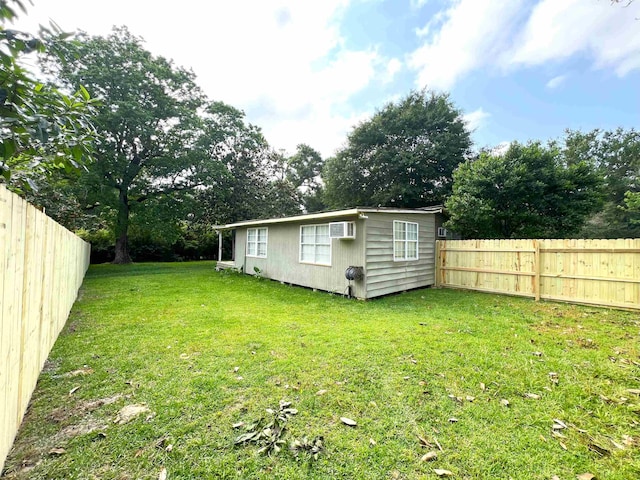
(345, 230)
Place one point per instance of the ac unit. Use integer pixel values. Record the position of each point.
(342, 230)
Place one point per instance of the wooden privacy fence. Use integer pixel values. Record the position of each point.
(41, 268)
(598, 272)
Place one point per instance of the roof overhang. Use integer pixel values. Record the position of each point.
(352, 212)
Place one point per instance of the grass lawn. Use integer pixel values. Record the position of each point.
(499, 387)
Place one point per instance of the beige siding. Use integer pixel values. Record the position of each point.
(283, 264)
(383, 274)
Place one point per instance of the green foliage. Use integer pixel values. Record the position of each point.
(403, 156)
(632, 207)
(616, 156)
(41, 127)
(161, 139)
(529, 192)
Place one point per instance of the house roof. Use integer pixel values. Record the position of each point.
(351, 212)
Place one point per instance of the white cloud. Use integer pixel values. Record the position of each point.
(283, 61)
(605, 33)
(555, 82)
(508, 34)
(475, 119)
(473, 32)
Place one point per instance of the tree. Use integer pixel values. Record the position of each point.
(240, 190)
(616, 156)
(529, 192)
(149, 127)
(403, 156)
(300, 175)
(41, 127)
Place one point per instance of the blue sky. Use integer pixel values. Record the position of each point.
(309, 71)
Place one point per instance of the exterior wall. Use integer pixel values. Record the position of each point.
(283, 253)
(382, 274)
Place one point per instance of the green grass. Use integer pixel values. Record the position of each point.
(170, 336)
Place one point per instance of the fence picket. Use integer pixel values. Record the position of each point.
(41, 268)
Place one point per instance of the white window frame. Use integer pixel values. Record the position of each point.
(330, 244)
(406, 241)
(256, 252)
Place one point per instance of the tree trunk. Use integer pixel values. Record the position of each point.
(122, 230)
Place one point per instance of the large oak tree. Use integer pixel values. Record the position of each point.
(150, 125)
(403, 156)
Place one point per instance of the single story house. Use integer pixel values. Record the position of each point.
(359, 252)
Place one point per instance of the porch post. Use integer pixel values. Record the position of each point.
(219, 245)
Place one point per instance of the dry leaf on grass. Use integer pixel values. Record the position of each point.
(74, 390)
(348, 421)
(504, 402)
(129, 412)
(237, 425)
(163, 474)
(321, 392)
(57, 451)
(372, 442)
(429, 457)
(533, 396)
(442, 472)
(586, 476)
(634, 391)
(469, 398)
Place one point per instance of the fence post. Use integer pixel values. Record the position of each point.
(536, 269)
(437, 272)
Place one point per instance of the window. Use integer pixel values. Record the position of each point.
(405, 241)
(315, 244)
(257, 242)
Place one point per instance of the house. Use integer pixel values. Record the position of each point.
(360, 252)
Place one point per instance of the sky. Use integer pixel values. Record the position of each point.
(309, 71)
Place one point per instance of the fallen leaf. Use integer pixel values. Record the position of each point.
(414, 361)
(235, 369)
(321, 392)
(348, 421)
(438, 444)
(555, 477)
(559, 423)
(139, 452)
(163, 474)
(372, 442)
(453, 420)
(442, 473)
(594, 447)
(429, 457)
(395, 475)
(424, 442)
(537, 354)
(633, 391)
(57, 451)
(169, 448)
(407, 378)
(564, 447)
(129, 412)
(483, 387)
(504, 402)
(586, 476)
(373, 404)
(184, 356)
(533, 396)
(74, 390)
(469, 398)
(237, 425)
